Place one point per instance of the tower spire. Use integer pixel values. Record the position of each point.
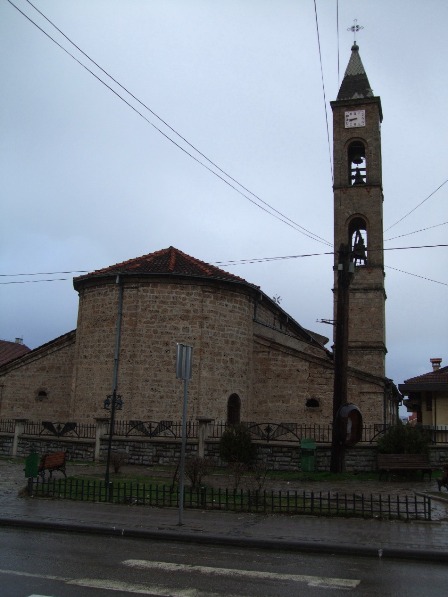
(355, 83)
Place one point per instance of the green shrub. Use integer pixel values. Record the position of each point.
(403, 439)
(236, 445)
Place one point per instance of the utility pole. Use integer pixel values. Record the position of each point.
(345, 273)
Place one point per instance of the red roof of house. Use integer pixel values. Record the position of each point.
(438, 376)
(434, 380)
(168, 261)
(11, 350)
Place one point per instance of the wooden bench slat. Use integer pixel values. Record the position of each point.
(404, 462)
(54, 461)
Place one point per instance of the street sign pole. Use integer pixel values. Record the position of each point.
(183, 371)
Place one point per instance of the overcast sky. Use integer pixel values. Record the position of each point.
(86, 182)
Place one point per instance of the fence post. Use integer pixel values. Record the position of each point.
(18, 430)
(203, 431)
(102, 424)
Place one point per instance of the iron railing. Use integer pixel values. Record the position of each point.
(265, 432)
(261, 502)
(7, 425)
(56, 429)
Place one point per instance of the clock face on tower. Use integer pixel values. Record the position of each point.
(355, 118)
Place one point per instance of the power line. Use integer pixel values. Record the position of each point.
(417, 276)
(227, 262)
(284, 257)
(76, 271)
(35, 281)
(323, 89)
(266, 259)
(415, 231)
(417, 206)
(230, 263)
(282, 217)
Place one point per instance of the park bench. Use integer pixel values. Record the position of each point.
(388, 463)
(54, 461)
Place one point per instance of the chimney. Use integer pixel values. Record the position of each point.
(435, 363)
(19, 340)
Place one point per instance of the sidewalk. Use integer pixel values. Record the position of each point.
(354, 536)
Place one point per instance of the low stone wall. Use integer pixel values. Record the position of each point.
(6, 443)
(163, 451)
(77, 449)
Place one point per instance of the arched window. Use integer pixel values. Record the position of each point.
(357, 166)
(234, 410)
(357, 233)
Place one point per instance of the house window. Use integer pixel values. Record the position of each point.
(234, 410)
(41, 395)
(429, 403)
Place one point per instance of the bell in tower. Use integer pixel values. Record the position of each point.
(357, 163)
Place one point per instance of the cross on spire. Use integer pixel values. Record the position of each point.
(355, 28)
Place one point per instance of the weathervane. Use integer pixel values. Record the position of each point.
(355, 28)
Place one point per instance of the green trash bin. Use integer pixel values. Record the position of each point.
(308, 455)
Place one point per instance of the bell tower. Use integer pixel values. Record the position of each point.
(358, 215)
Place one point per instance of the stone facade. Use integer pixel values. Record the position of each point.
(244, 346)
(38, 384)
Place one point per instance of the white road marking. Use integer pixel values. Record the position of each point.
(112, 585)
(311, 581)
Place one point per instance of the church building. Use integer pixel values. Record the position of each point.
(252, 361)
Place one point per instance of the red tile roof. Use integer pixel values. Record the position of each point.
(438, 376)
(169, 261)
(11, 350)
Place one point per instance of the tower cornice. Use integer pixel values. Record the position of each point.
(358, 101)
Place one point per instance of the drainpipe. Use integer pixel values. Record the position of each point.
(115, 377)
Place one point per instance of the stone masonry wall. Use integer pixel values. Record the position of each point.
(215, 319)
(46, 371)
(284, 382)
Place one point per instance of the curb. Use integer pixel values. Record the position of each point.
(248, 542)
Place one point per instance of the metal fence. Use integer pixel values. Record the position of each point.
(262, 502)
(168, 429)
(437, 434)
(56, 429)
(7, 425)
(265, 432)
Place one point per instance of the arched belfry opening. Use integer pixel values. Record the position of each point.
(357, 232)
(234, 410)
(357, 165)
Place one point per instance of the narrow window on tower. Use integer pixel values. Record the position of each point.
(358, 241)
(357, 167)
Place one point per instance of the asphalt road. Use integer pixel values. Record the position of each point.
(66, 565)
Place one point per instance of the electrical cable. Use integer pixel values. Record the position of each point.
(415, 231)
(417, 206)
(282, 217)
(231, 261)
(323, 90)
(75, 271)
(417, 276)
